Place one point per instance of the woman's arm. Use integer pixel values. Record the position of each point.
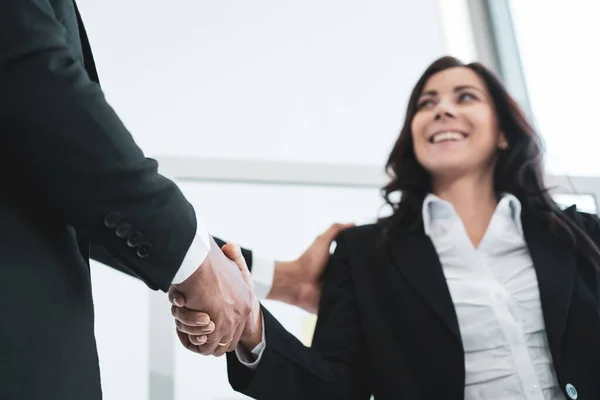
(335, 367)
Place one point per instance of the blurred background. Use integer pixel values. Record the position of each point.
(276, 119)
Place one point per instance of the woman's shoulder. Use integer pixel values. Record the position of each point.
(360, 243)
(589, 222)
(360, 234)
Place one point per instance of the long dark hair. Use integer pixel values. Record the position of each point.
(518, 169)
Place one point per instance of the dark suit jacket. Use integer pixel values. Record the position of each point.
(71, 176)
(387, 325)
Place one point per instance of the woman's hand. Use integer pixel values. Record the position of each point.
(194, 328)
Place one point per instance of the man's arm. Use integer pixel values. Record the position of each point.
(263, 275)
(79, 156)
(101, 255)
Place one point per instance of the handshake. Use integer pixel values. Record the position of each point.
(216, 308)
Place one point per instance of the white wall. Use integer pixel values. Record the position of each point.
(264, 79)
(303, 80)
(122, 309)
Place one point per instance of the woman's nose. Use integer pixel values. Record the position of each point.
(445, 108)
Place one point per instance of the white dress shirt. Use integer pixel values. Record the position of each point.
(262, 268)
(495, 294)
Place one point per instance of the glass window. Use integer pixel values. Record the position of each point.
(457, 29)
(584, 202)
(559, 50)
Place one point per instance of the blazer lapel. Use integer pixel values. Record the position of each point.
(554, 263)
(88, 58)
(555, 266)
(419, 263)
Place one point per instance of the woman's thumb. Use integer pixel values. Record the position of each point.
(234, 253)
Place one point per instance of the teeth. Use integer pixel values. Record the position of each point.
(447, 136)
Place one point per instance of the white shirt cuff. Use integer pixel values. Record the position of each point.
(252, 359)
(196, 254)
(263, 271)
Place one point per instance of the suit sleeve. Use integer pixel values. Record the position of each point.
(78, 155)
(101, 255)
(333, 368)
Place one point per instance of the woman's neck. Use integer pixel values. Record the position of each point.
(473, 199)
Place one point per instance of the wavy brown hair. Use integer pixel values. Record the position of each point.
(518, 169)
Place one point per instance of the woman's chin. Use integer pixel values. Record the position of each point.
(447, 169)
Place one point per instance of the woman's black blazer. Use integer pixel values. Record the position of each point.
(387, 325)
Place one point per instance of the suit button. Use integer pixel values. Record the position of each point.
(571, 391)
(112, 219)
(134, 239)
(123, 230)
(143, 250)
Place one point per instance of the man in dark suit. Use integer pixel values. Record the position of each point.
(75, 184)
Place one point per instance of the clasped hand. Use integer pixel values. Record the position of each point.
(208, 328)
(222, 287)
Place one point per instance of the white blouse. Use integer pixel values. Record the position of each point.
(495, 293)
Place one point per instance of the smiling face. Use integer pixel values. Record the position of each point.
(455, 130)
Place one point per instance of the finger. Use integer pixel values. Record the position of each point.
(236, 338)
(208, 348)
(198, 340)
(210, 328)
(211, 344)
(175, 297)
(195, 330)
(220, 350)
(232, 342)
(185, 341)
(234, 253)
(190, 317)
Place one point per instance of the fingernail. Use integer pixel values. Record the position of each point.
(201, 339)
(176, 302)
(207, 330)
(203, 320)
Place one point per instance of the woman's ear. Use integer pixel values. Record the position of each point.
(502, 142)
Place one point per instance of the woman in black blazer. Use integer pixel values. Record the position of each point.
(477, 287)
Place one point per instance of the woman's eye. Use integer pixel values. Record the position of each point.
(466, 97)
(425, 103)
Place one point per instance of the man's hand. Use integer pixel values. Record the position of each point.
(218, 289)
(299, 282)
(188, 321)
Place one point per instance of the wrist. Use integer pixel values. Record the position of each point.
(191, 283)
(285, 282)
(252, 340)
